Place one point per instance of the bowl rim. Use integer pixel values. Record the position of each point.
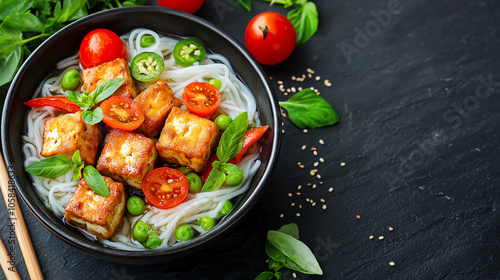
(202, 240)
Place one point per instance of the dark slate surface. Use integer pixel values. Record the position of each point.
(418, 136)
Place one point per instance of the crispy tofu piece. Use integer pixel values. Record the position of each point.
(187, 139)
(97, 214)
(156, 102)
(65, 134)
(118, 68)
(127, 157)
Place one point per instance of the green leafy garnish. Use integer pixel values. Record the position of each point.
(88, 100)
(230, 145)
(284, 249)
(247, 4)
(58, 165)
(306, 109)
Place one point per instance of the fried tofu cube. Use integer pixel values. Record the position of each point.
(118, 68)
(187, 140)
(127, 157)
(97, 214)
(65, 134)
(156, 102)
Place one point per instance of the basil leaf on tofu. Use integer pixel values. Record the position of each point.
(299, 256)
(78, 165)
(95, 181)
(214, 180)
(93, 117)
(266, 275)
(106, 89)
(306, 109)
(51, 167)
(305, 21)
(232, 139)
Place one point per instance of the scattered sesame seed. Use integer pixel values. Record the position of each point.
(299, 187)
(293, 89)
(321, 141)
(391, 263)
(298, 214)
(313, 149)
(314, 186)
(318, 78)
(298, 193)
(299, 88)
(309, 75)
(316, 164)
(358, 217)
(312, 88)
(314, 204)
(303, 147)
(308, 184)
(281, 216)
(282, 131)
(288, 90)
(316, 90)
(321, 182)
(300, 205)
(371, 237)
(285, 94)
(280, 82)
(322, 200)
(294, 78)
(391, 229)
(293, 204)
(321, 159)
(301, 166)
(289, 194)
(330, 189)
(380, 237)
(324, 206)
(305, 130)
(327, 83)
(342, 164)
(294, 275)
(315, 153)
(307, 199)
(318, 176)
(309, 70)
(270, 78)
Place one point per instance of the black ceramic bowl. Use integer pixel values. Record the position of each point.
(65, 43)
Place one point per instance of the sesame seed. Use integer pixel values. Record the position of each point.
(299, 187)
(301, 166)
(285, 94)
(270, 78)
(322, 200)
(316, 164)
(380, 237)
(299, 88)
(293, 89)
(307, 199)
(281, 216)
(321, 141)
(342, 164)
(288, 90)
(321, 159)
(318, 78)
(294, 78)
(294, 275)
(282, 131)
(315, 153)
(313, 149)
(309, 75)
(327, 83)
(318, 176)
(358, 217)
(289, 194)
(314, 186)
(330, 189)
(308, 184)
(321, 182)
(293, 204)
(300, 205)
(324, 206)
(298, 193)
(280, 82)
(309, 70)
(371, 237)
(391, 263)
(305, 130)
(312, 88)
(314, 204)
(391, 229)
(298, 214)
(303, 147)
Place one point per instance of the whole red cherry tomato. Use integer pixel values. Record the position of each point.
(270, 38)
(99, 46)
(188, 6)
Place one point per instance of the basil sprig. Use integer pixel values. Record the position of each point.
(230, 145)
(306, 109)
(284, 249)
(87, 101)
(58, 165)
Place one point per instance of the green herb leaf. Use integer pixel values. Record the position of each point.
(232, 139)
(274, 265)
(77, 165)
(303, 260)
(266, 275)
(231, 169)
(214, 180)
(106, 89)
(76, 158)
(306, 109)
(278, 275)
(93, 117)
(10, 7)
(95, 181)
(247, 4)
(51, 167)
(305, 21)
(273, 253)
(9, 65)
(77, 98)
(24, 22)
(290, 229)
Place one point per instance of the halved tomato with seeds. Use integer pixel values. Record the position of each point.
(201, 99)
(122, 113)
(165, 187)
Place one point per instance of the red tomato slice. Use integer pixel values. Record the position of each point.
(99, 46)
(204, 175)
(122, 113)
(201, 99)
(188, 6)
(165, 187)
(60, 102)
(251, 137)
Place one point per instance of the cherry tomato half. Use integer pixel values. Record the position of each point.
(60, 102)
(251, 137)
(122, 113)
(188, 6)
(201, 99)
(99, 46)
(165, 187)
(270, 38)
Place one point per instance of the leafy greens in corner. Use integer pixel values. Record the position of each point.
(306, 109)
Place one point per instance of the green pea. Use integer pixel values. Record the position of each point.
(206, 222)
(216, 83)
(141, 231)
(233, 180)
(184, 233)
(228, 206)
(147, 41)
(195, 183)
(135, 205)
(71, 80)
(184, 170)
(223, 122)
(153, 241)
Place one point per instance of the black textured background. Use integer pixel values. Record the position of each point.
(418, 136)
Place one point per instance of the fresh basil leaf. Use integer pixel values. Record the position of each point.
(232, 139)
(95, 181)
(306, 109)
(231, 169)
(77, 172)
(290, 229)
(9, 65)
(274, 253)
(274, 265)
(305, 21)
(277, 274)
(214, 180)
(106, 89)
(43, 7)
(76, 158)
(51, 167)
(247, 4)
(296, 251)
(216, 164)
(10, 40)
(10, 7)
(24, 22)
(78, 99)
(266, 275)
(92, 117)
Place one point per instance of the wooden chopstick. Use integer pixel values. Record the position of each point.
(9, 270)
(16, 216)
